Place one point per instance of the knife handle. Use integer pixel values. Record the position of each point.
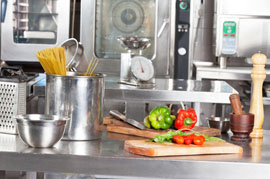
(117, 115)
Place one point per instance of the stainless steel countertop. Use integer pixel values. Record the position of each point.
(165, 90)
(107, 157)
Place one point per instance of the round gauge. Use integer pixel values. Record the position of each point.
(142, 68)
(127, 16)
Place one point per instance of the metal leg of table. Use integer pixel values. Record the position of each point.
(40, 175)
(2, 174)
(197, 108)
(204, 111)
(135, 110)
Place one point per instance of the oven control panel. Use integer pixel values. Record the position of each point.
(181, 67)
(229, 38)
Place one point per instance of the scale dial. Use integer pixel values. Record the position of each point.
(142, 68)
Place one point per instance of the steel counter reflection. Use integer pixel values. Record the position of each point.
(107, 157)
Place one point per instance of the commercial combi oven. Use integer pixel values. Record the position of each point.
(28, 26)
(242, 29)
(166, 23)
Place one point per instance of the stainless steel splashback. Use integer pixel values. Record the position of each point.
(242, 27)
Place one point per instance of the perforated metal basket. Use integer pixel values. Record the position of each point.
(12, 103)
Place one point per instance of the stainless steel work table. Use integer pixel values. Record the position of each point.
(107, 157)
(170, 90)
(165, 90)
(229, 73)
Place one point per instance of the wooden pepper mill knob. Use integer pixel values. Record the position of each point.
(258, 76)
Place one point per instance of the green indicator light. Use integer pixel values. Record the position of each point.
(183, 5)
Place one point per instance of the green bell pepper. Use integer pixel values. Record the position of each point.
(160, 118)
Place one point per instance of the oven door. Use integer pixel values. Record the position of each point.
(28, 26)
(103, 21)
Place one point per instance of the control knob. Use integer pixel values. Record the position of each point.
(182, 51)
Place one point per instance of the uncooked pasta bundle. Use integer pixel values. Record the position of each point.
(53, 60)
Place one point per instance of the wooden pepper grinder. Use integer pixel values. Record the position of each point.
(258, 76)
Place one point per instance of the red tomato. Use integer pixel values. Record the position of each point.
(202, 137)
(188, 140)
(191, 136)
(198, 140)
(178, 139)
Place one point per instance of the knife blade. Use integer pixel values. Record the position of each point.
(122, 117)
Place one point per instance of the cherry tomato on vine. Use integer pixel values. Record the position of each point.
(198, 140)
(178, 139)
(191, 136)
(188, 140)
(202, 137)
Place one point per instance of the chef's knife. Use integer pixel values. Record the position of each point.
(122, 117)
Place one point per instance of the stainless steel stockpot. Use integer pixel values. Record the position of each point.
(79, 98)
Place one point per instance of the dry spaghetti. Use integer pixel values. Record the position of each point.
(53, 60)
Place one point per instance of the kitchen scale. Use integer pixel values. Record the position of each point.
(136, 70)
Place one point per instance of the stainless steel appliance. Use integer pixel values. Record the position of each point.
(242, 28)
(28, 26)
(182, 65)
(103, 21)
(169, 25)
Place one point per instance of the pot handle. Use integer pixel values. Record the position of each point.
(165, 22)
(3, 10)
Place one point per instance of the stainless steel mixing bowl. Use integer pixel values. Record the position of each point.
(219, 123)
(40, 130)
(134, 43)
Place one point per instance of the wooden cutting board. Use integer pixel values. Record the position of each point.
(114, 125)
(142, 147)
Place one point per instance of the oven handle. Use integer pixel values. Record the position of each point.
(3, 10)
(165, 22)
